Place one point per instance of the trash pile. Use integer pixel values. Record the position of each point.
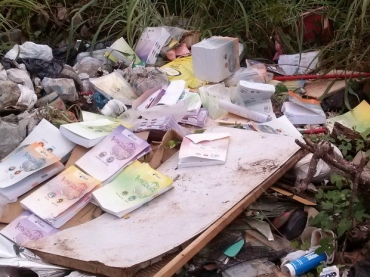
(88, 136)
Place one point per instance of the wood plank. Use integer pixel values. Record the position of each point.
(201, 241)
(201, 196)
(316, 89)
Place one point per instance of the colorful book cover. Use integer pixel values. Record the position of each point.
(59, 194)
(358, 118)
(135, 185)
(49, 137)
(25, 162)
(111, 154)
(27, 227)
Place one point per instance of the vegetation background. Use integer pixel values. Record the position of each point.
(257, 23)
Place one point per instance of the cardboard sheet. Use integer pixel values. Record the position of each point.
(201, 195)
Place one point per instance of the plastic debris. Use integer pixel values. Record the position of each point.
(30, 50)
(64, 87)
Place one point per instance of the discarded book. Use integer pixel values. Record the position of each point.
(24, 163)
(62, 197)
(116, 151)
(136, 185)
(203, 149)
(88, 133)
(48, 136)
(27, 227)
(303, 111)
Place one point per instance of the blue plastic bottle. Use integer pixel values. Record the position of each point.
(304, 264)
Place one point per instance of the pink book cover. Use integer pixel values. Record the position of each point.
(27, 227)
(59, 194)
(114, 152)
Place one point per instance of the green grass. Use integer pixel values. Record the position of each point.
(256, 23)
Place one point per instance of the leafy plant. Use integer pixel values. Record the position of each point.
(335, 206)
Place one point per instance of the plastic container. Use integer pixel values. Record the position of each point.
(304, 264)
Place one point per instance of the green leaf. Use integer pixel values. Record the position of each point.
(173, 143)
(343, 226)
(326, 246)
(327, 205)
(319, 194)
(201, 131)
(305, 246)
(360, 215)
(294, 244)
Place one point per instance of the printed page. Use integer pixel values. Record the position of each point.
(173, 93)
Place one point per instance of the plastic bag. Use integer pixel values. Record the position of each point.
(256, 73)
(64, 87)
(114, 108)
(143, 79)
(20, 77)
(41, 68)
(323, 171)
(211, 95)
(89, 66)
(28, 97)
(30, 50)
(182, 69)
(114, 86)
(14, 129)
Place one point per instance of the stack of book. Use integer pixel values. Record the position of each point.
(25, 169)
(136, 185)
(62, 197)
(116, 151)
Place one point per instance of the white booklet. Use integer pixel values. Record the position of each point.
(48, 136)
(203, 149)
(172, 93)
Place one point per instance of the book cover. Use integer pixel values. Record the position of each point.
(111, 154)
(203, 149)
(135, 185)
(35, 179)
(49, 136)
(59, 194)
(24, 162)
(27, 227)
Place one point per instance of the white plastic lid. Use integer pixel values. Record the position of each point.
(288, 268)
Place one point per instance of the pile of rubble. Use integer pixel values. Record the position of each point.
(63, 112)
